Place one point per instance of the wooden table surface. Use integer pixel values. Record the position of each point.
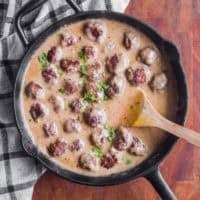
(179, 21)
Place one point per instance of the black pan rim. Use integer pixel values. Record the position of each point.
(140, 170)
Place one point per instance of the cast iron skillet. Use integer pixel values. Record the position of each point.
(148, 168)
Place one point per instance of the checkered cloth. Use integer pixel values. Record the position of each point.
(18, 171)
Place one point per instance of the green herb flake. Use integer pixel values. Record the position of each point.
(30, 120)
(128, 161)
(111, 131)
(97, 151)
(43, 61)
(90, 98)
(82, 56)
(61, 90)
(83, 70)
(103, 87)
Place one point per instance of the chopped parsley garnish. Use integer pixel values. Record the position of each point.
(111, 131)
(83, 70)
(103, 87)
(61, 90)
(83, 66)
(43, 61)
(30, 120)
(128, 161)
(90, 98)
(82, 56)
(97, 151)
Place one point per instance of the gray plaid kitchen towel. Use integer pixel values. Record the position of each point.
(18, 171)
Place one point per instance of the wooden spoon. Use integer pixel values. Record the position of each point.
(145, 115)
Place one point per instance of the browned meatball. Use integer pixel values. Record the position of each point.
(148, 55)
(123, 139)
(116, 86)
(89, 51)
(69, 65)
(89, 161)
(58, 148)
(95, 30)
(70, 86)
(68, 40)
(58, 103)
(76, 105)
(95, 71)
(77, 145)
(38, 110)
(108, 161)
(34, 90)
(50, 129)
(137, 147)
(131, 40)
(139, 74)
(99, 136)
(91, 88)
(159, 82)
(95, 117)
(54, 54)
(72, 126)
(117, 63)
(49, 74)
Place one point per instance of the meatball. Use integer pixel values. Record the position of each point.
(55, 54)
(117, 63)
(95, 117)
(72, 126)
(58, 148)
(131, 40)
(76, 105)
(89, 161)
(68, 40)
(138, 74)
(70, 86)
(50, 129)
(95, 31)
(159, 82)
(123, 139)
(92, 89)
(137, 147)
(95, 71)
(99, 136)
(38, 110)
(58, 103)
(89, 51)
(148, 55)
(34, 90)
(116, 86)
(50, 74)
(76, 145)
(69, 65)
(108, 161)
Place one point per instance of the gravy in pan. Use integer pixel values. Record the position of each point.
(79, 93)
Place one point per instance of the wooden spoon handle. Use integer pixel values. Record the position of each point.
(191, 136)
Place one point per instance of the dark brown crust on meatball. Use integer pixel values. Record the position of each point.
(70, 86)
(89, 51)
(49, 74)
(58, 148)
(108, 161)
(69, 65)
(50, 129)
(32, 90)
(111, 63)
(76, 105)
(36, 111)
(136, 76)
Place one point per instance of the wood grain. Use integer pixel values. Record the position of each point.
(179, 21)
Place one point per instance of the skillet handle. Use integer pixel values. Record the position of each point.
(158, 182)
(30, 6)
